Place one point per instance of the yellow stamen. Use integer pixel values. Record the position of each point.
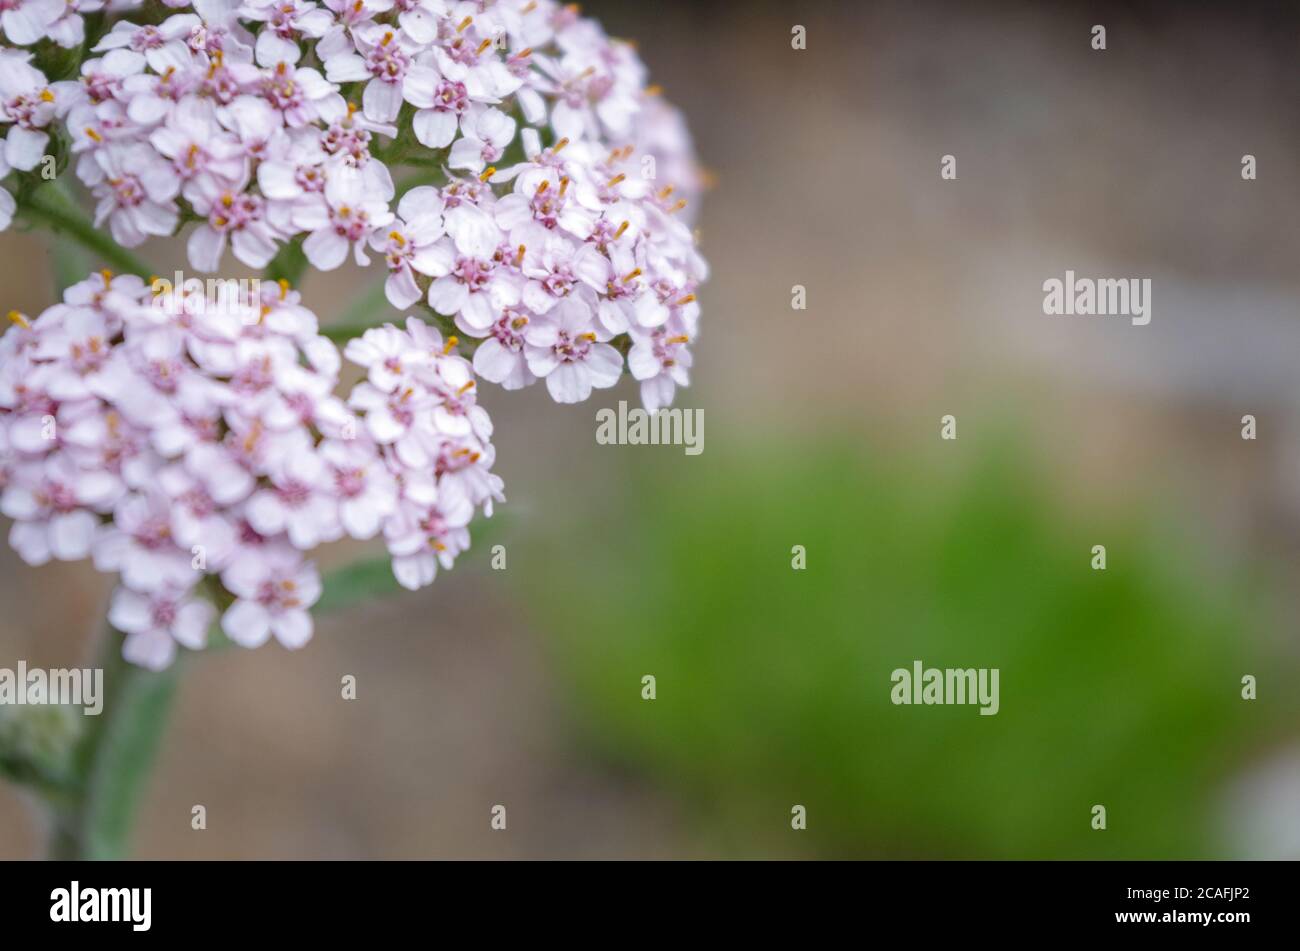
(654, 89)
(451, 345)
(47, 96)
(615, 180)
(284, 288)
(680, 338)
(482, 46)
(397, 236)
(589, 337)
(20, 320)
(463, 24)
(560, 144)
(621, 228)
(683, 301)
(467, 386)
(632, 275)
(488, 173)
(92, 134)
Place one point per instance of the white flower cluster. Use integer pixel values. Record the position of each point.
(181, 441)
(271, 120)
(200, 450)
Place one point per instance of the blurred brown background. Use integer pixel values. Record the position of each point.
(924, 298)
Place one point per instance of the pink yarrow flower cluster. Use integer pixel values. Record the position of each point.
(557, 242)
(196, 448)
(504, 162)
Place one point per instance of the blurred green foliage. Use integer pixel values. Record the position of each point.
(1118, 687)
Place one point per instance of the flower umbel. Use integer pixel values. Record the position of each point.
(528, 195)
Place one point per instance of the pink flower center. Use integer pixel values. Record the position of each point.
(451, 97)
(234, 212)
(147, 38)
(153, 533)
(350, 482)
(127, 191)
(57, 497)
(473, 273)
(164, 613)
(387, 61)
(293, 493)
(572, 349)
(278, 595)
(559, 282)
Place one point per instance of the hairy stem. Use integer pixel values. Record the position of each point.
(113, 760)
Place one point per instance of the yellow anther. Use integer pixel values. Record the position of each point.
(488, 173)
(19, 319)
(621, 228)
(460, 27)
(683, 301)
(451, 345)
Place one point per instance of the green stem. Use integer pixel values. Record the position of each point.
(113, 759)
(51, 205)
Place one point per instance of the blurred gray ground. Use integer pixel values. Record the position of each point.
(924, 299)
